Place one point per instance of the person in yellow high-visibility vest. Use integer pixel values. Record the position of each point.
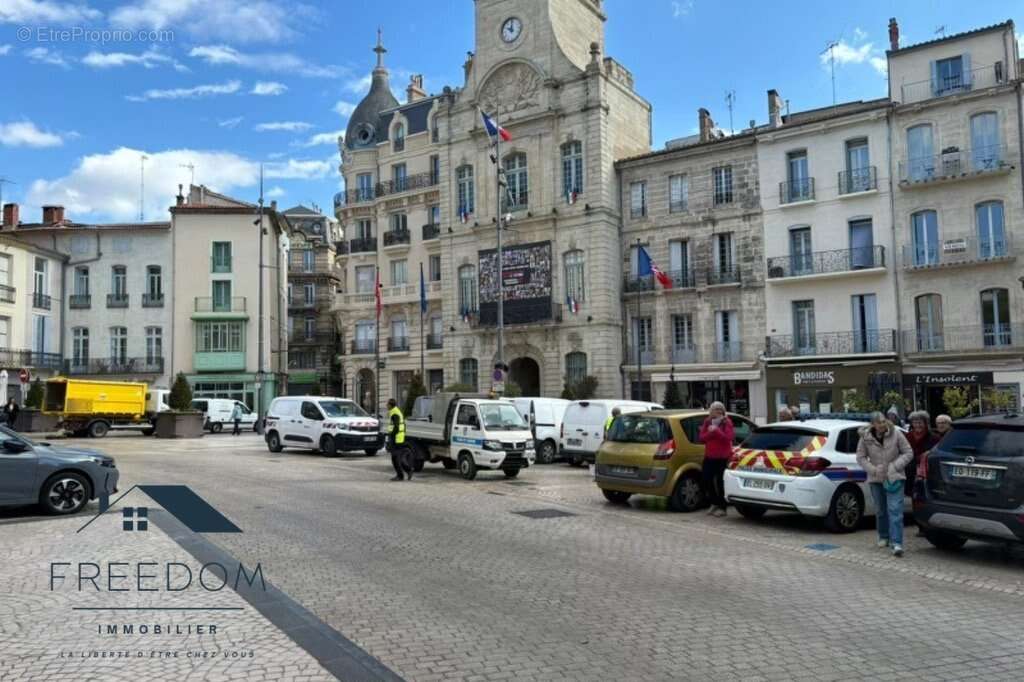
(611, 420)
(400, 453)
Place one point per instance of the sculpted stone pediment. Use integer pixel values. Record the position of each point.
(512, 87)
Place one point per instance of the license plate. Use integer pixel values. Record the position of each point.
(974, 472)
(628, 471)
(575, 441)
(369, 439)
(758, 483)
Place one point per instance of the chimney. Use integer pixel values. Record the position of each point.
(774, 108)
(705, 125)
(10, 216)
(415, 92)
(894, 34)
(180, 199)
(53, 215)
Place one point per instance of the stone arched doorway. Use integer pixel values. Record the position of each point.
(525, 372)
(364, 390)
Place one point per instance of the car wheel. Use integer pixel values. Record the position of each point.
(546, 452)
(64, 493)
(576, 460)
(448, 464)
(274, 442)
(327, 446)
(467, 467)
(370, 451)
(148, 432)
(98, 429)
(748, 511)
(846, 511)
(688, 495)
(946, 541)
(216, 427)
(616, 496)
(511, 473)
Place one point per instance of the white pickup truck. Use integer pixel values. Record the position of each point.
(470, 433)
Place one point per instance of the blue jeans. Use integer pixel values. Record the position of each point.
(888, 513)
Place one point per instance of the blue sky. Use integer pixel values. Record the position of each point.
(224, 85)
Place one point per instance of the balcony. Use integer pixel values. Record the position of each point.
(152, 300)
(398, 344)
(41, 301)
(723, 276)
(727, 351)
(399, 237)
(981, 77)
(409, 182)
(684, 355)
(208, 304)
(681, 279)
(796, 190)
(958, 251)
(341, 248)
(364, 347)
(117, 300)
(435, 342)
(858, 180)
(220, 264)
(7, 294)
(977, 338)
(399, 144)
(362, 245)
(339, 200)
(826, 262)
(953, 164)
(431, 231)
(16, 359)
(321, 338)
(647, 355)
(100, 366)
(831, 343)
(297, 261)
(79, 301)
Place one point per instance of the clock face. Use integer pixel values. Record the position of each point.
(511, 29)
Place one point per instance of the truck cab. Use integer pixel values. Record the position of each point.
(471, 433)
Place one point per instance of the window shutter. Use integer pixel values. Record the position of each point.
(965, 64)
(935, 78)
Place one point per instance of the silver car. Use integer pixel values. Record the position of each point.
(61, 480)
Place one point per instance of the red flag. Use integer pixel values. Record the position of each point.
(376, 294)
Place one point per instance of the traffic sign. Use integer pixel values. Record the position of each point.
(24, 376)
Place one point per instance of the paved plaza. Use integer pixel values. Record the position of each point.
(440, 578)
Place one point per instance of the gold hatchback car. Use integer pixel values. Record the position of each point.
(658, 453)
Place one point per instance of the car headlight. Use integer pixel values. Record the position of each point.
(530, 445)
(492, 445)
(102, 461)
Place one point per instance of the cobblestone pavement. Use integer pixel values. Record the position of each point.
(441, 578)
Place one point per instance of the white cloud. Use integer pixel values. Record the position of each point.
(343, 108)
(290, 126)
(26, 134)
(859, 35)
(230, 122)
(46, 12)
(149, 59)
(228, 88)
(4, 49)
(294, 169)
(276, 192)
(880, 64)
(43, 55)
(359, 86)
(330, 138)
(681, 8)
(865, 53)
(268, 88)
(281, 62)
(234, 20)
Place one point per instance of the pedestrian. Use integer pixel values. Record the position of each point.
(716, 433)
(922, 439)
(610, 420)
(10, 413)
(893, 415)
(236, 417)
(883, 453)
(943, 425)
(400, 454)
(785, 415)
(795, 411)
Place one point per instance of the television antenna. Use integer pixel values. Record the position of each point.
(142, 187)
(940, 31)
(730, 101)
(831, 49)
(4, 181)
(191, 172)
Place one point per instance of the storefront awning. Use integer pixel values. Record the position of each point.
(747, 375)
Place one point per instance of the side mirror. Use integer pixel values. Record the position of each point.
(13, 446)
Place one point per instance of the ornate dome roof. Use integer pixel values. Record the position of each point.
(365, 128)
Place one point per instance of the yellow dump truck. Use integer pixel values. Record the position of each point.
(93, 408)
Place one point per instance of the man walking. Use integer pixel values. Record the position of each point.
(611, 420)
(400, 454)
(236, 417)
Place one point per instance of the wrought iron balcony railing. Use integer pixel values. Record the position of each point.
(647, 355)
(364, 346)
(41, 301)
(801, 189)
(826, 262)
(858, 180)
(7, 294)
(958, 250)
(409, 182)
(319, 338)
(684, 354)
(16, 358)
(398, 344)
(152, 300)
(123, 365)
(980, 77)
(79, 301)
(727, 351)
(435, 341)
(953, 163)
(724, 275)
(362, 245)
(396, 237)
(831, 343)
(985, 337)
(117, 300)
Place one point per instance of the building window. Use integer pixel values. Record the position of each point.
(221, 259)
(642, 334)
(5, 332)
(5, 270)
(434, 267)
(221, 296)
(434, 214)
(399, 333)
(309, 294)
(572, 169)
(575, 367)
(727, 336)
(683, 347)
(637, 199)
(985, 150)
(574, 285)
(800, 258)
(308, 260)
(866, 337)
(803, 327)
(928, 311)
(364, 187)
(39, 338)
(81, 281)
(118, 345)
(948, 75)
(220, 336)
(725, 256)
(798, 186)
(722, 184)
(995, 317)
(399, 274)
(678, 193)
(858, 168)
(309, 327)
(39, 279)
(465, 192)
(399, 178)
(366, 336)
(991, 236)
(435, 380)
(399, 222)
(920, 153)
(399, 137)
(154, 346)
(119, 281)
(365, 277)
(364, 229)
(79, 347)
(518, 185)
(925, 236)
(435, 169)
(467, 290)
(862, 245)
(679, 263)
(154, 282)
(468, 374)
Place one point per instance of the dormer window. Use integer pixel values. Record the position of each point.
(399, 143)
(951, 74)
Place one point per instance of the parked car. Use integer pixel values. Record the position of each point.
(808, 467)
(658, 453)
(582, 429)
(61, 480)
(544, 415)
(971, 485)
(325, 425)
(218, 413)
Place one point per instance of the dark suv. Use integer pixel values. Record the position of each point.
(972, 484)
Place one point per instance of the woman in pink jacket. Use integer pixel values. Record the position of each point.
(716, 433)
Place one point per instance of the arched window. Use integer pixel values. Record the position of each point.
(572, 170)
(928, 311)
(988, 218)
(995, 317)
(518, 184)
(575, 367)
(468, 305)
(985, 141)
(399, 137)
(575, 292)
(468, 372)
(465, 192)
(925, 237)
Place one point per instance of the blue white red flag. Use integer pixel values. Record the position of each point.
(495, 130)
(574, 306)
(645, 267)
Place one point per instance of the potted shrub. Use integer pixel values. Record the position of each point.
(30, 418)
(181, 421)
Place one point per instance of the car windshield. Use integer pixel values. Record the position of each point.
(788, 440)
(338, 408)
(633, 428)
(502, 417)
(8, 433)
(984, 441)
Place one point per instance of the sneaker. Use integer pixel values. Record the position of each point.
(897, 550)
(720, 513)
(882, 544)
(397, 478)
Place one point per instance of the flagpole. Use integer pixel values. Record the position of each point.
(636, 338)
(501, 268)
(376, 345)
(423, 300)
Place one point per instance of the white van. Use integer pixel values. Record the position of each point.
(544, 415)
(218, 413)
(322, 424)
(583, 426)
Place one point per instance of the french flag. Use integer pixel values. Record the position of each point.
(574, 306)
(645, 267)
(463, 215)
(570, 196)
(495, 130)
(466, 316)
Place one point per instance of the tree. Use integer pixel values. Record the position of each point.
(958, 402)
(34, 399)
(583, 389)
(855, 401)
(181, 394)
(416, 389)
(672, 400)
(458, 388)
(512, 390)
(998, 400)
